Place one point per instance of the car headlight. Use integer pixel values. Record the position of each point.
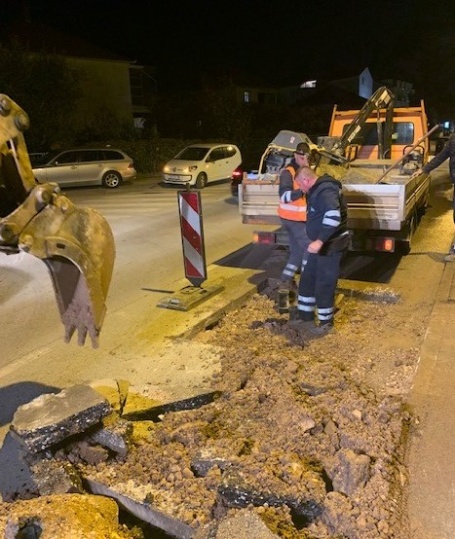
(192, 168)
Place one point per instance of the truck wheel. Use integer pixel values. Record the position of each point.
(201, 181)
(405, 247)
(112, 179)
(421, 210)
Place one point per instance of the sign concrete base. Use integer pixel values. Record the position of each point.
(189, 297)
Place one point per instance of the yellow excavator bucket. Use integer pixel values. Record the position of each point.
(76, 244)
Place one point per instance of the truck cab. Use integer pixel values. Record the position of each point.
(407, 126)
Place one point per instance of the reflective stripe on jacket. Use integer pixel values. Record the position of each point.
(292, 210)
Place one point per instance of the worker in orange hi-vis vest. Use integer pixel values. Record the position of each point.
(293, 214)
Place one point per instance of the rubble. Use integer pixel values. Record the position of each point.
(354, 174)
(69, 516)
(301, 437)
(51, 418)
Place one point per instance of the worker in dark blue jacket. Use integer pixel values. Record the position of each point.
(447, 152)
(327, 230)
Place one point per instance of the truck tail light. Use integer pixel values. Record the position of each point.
(264, 238)
(386, 245)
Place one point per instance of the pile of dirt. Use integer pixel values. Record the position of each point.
(352, 175)
(307, 433)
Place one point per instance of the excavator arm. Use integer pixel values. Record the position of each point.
(76, 245)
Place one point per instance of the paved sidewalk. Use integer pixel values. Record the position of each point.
(432, 455)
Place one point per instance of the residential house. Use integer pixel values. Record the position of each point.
(109, 83)
(343, 81)
(358, 83)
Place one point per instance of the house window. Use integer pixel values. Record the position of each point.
(267, 98)
(137, 90)
(143, 87)
(308, 84)
(246, 96)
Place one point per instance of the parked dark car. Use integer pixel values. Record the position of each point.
(237, 175)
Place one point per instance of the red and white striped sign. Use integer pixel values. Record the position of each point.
(192, 236)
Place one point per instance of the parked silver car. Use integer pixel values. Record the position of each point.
(86, 166)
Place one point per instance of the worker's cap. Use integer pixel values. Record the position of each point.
(302, 148)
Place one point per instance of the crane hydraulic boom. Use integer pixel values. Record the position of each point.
(382, 98)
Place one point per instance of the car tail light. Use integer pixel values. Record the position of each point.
(237, 174)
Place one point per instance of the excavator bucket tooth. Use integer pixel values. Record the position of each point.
(78, 249)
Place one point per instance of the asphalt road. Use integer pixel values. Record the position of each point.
(149, 266)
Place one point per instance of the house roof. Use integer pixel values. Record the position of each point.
(333, 95)
(38, 37)
(340, 72)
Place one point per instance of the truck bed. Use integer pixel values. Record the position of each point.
(372, 206)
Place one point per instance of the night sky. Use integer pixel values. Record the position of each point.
(273, 40)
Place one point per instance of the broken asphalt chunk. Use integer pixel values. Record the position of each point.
(51, 418)
(144, 511)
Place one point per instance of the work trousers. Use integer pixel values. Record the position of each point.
(317, 287)
(298, 248)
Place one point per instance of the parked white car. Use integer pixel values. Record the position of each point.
(200, 164)
(90, 166)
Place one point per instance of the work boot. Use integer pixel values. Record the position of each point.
(302, 325)
(288, 284)
(322, 329)
(282, 284)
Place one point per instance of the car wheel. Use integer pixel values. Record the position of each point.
(112, 179)
(201, 181)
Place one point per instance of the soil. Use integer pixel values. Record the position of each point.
(309, 433)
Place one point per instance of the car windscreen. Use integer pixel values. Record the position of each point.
(193, 154)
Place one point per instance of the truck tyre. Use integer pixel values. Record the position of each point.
(201, 181)
(404, 247)
(112, 179)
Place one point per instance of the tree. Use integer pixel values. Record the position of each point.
(221, 113)
(44, 86)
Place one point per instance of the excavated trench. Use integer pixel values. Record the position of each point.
(307, 434)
